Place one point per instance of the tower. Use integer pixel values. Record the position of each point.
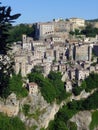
(89, 53)
(24, 38)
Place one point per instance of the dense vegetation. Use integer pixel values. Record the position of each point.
(90, 83)
(51, 88)
(61, 119)
(15, 85)
(11, 123)
(92, 20)
(17, 31)
(26, 109)
(77, 89)
(67, 111)
(5, 64)
(89, 31)
(94, 122)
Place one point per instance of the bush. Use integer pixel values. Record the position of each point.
(15, 85)
(26, 109)
(8, 123)
(94, 122)
(51, 88)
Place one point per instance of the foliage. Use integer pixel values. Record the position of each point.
(61, 119)
(36, 114)
(90, 31)
(92, 20)
(67, 111)
(33, 127)
(51, 88)
(47, 89)
(17, 31)
(55, 79)
(26, 109)
(87, 104)
(5, 23)
(42, 129)
(5, 65)
(54, 76)
(15, 85)
(11, 123)
(37, 69)
(71, 126)
(76, 32)
(94, 122)
(91, 82)
(91, 102)
(57, 125)
(77, 89)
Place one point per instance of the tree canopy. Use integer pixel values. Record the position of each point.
(6, 19)
(8, 123)
(5, 23)
(51, 87)
(17, 31)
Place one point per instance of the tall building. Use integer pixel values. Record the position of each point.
(57, 26)
(82, 52)
(44, 29)
(27, 42)
(78, 21)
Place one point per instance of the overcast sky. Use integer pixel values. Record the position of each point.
(46, 10)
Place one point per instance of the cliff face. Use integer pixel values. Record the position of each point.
(10, 106)
(40, 112)
(82, 120)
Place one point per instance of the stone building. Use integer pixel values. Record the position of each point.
(58, 27)
(68, 86)
(27, 42)
(78, 22)
(44, 29)
(72, 74)
(81, 74)
(82, 52)
(33, 88)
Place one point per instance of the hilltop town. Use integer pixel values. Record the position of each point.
(57, 46)
(55, 49)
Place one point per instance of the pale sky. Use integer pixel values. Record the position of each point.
(46, 10)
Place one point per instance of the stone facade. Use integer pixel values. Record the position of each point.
(77, 21)
(82, 52)
(33, 88)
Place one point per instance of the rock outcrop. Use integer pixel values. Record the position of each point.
(82, 120)
(40, 112)
(10, 106)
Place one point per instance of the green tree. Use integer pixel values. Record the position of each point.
(90, 31)
(46, 87)
(17, 31)
(26, 109)
(5, 66)
(14, 123)
(38, 69)
(55, 79)
(94, 122)
(15, 85)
